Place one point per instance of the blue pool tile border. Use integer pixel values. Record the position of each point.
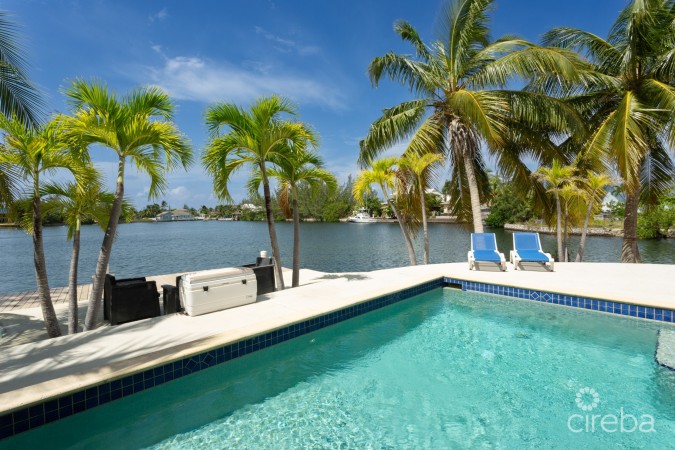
(594, 304)
(55, 409)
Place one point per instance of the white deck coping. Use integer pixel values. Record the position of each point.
(38, 371)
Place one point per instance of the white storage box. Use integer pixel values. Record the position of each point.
(214, 290)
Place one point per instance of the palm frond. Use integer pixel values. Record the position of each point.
(409, 34)
(485, 111)
(662, 97)
(396, 124)
(416, 75)
(18, 95)
(656, 174)
(464, 29)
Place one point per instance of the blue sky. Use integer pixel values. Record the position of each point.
(314, 52)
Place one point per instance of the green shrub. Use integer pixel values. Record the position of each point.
(655, 222)
(507, 207)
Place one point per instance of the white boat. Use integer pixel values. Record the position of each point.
(225, 219)
(362, 217)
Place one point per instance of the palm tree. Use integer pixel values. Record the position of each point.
(571, 194)
(254, 138)
(18, 98)
(137, 128)
(458, 108)
(302, 167)
(31, 152)
(421, 170)
(383, 173)
(556, 178)
(595, 188)
(630, 103)
(77, 206)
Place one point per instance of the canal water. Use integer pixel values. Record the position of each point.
(144, 249)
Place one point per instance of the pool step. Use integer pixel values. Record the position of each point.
(665, 348)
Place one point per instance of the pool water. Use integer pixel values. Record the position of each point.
(446, 369)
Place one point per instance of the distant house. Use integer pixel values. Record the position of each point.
(177, 215)
(166, 216)
(4, 212)
(251, 207)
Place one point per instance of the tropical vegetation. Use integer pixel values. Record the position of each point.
(629, 103)
(419, 172)
(301, 166)
(383, 173)
(252, 138)
(76, 206)
(137, 127)
(593, 112)
(31, 152)
(19, 98)
(462, 105)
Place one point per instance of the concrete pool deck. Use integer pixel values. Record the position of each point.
(37, 371)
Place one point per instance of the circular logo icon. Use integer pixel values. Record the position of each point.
(587, 399)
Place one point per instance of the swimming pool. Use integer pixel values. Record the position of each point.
(443, 369)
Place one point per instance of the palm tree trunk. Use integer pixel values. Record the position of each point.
(425, 226)
(274, 242)
(48, 312)
(473, 192)
(96, 295)
(296, 242)
(406, 234)
(629, 249)
(558, 232)
(584, 232)
(466, 146)
(72, 282)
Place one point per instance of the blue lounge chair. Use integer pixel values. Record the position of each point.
(527, 248)
(484, 250)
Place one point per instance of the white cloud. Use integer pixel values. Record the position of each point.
(179, 191)
(288, 45)
(159, 15)
(198, 79)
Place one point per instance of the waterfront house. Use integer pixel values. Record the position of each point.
(177, 215)
(4, 215)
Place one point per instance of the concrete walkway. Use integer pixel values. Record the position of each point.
(59, 295)
(22, 323)
(49, 368)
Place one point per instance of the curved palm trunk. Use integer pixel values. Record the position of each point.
(584, 232)
(629, 249)
(96, 295)
(72, 282)
(425, 227)
(274, 242)
(48, 312)
(296, 242)
(558, 231)
(406, 234)
(473, 192)
(461, 139)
